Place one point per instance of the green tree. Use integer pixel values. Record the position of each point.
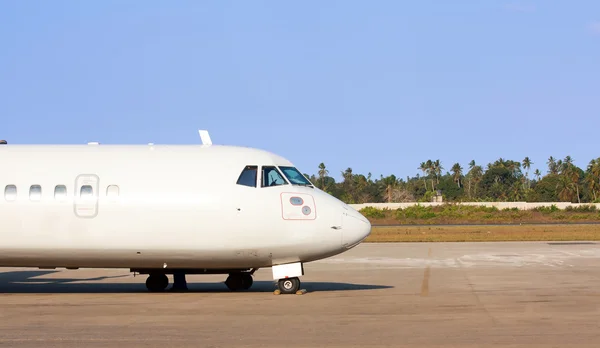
(552, 166)
(430, 172)
(437, 169)
(545, 189)
(526, 165)
(569, 183)
(498, 180)
(457, 173)
(501, 180)
(475, 176)
(390, 184)
(323, 172)
(593, 177)
(425, 169)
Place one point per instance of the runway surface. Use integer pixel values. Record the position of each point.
(517, 294)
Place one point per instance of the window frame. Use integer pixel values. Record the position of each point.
(35, 193)
(262, 171)
(307, 184)
(86, 196)
(256, 175)
(13, 195)
(113, 192)
(61, 195)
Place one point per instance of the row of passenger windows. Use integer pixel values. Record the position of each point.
(60, 192)
(271, 176)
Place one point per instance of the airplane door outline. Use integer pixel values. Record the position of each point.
(86, 195)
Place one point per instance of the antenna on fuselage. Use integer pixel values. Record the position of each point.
(205, 137)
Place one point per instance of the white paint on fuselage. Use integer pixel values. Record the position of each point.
(177, 205)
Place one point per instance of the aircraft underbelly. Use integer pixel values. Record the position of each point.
(131, 259)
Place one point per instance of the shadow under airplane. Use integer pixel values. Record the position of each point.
(34, 282)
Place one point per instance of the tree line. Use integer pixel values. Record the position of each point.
(502, 180)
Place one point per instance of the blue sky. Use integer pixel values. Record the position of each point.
(375, 86)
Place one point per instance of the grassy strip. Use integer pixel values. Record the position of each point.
(456, 214)
(484, 233)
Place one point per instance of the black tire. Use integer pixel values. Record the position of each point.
(289, 285)
(235, 282)
(247, 281)
(157, 282)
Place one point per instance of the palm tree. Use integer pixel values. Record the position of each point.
(430, 172)
(552, 169)
(569, 179)
(322, 174)
(390, 183)
(437, 168)
(568, 170)
(360, 193)
(560, 166)
(526, 165)
(470, 177)
(593, 177)
(348, 185)
(590, 178)
(537, 174)
(457, 170)
(477, 174)
(564, 189)
(568, 160)
(424, 169)
(515, 192)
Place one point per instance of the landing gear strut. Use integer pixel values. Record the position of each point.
(239, 281)
(288, 285)
(157, 282)
(179, 282)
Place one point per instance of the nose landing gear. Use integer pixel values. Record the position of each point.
(287, 276)
(288, 285)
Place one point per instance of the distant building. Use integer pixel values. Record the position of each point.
(437, 197)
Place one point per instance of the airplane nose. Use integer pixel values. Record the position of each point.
(355, 228)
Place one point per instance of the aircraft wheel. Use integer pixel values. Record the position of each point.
(235, 281)
(289, 285)
(247, 281)
(157, 282)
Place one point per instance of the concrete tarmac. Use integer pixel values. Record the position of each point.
(517, 294)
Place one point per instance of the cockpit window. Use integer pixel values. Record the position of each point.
(272, 177)
(294, 176)
(248, 176)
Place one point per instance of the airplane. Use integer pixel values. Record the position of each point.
(163, 210)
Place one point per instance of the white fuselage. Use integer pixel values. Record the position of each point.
(152, 206)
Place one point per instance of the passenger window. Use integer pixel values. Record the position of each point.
(272, 177)
(112, 191)
(248, 176)
(10, 193)
(60, 192)
(35, 192)
(86, 192)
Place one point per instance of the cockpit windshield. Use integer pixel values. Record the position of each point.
(294, 176)
(271, 177)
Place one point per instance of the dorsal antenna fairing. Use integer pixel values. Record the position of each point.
(205, 137)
